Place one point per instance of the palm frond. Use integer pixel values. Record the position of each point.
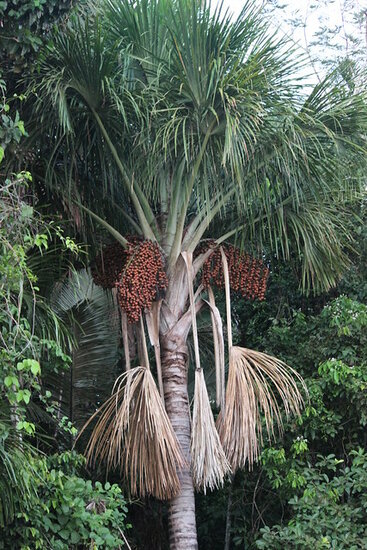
(203, 116)
(315, 233)
(218, 341)
(92, 315)
(18, 472)
(255, 382)
(208, 461)
(133, 434)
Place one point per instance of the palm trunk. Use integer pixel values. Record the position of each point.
(182, 523)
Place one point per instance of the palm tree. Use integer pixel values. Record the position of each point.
(172, 122)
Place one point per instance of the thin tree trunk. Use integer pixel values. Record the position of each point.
(182, 522)
(227, 540)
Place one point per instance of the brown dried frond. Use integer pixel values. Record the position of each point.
(133, 434)
(152, 318)
(218, 340)
(253, 380)
(209, 463)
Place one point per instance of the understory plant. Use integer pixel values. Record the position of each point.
(67, 511)
(46, 502)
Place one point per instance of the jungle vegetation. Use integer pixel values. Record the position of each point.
(169, 187)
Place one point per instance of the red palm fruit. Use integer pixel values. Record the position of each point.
(137, 272)
(247, 275)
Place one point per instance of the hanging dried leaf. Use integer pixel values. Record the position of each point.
(209, 463)
(218, 340)
(253, 380)
(133, 434)
(152, 318)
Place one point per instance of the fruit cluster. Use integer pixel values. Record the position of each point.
(247, 275)
(143, 280)
(137, 272)
(109, 265)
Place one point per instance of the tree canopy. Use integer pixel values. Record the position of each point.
(190, 118)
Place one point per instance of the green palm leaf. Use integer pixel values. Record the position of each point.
(92, 315)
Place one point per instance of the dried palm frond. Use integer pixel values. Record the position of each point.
(218, 349)
(152, 318)
(133, 434)
(253, 380)
(125, 339)
(209, 463)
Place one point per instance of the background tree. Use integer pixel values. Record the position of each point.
(171, 122)
(25, 26)
(329, 31)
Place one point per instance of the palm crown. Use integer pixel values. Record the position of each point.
(204, 121)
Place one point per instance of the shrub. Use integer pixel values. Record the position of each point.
(68, 512)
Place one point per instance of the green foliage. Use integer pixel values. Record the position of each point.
(17, 474)
(24, 26)
(66, 511)
(330, 350)
(331, 512)
(44, 503)
(22, 350)
(10, 130)
(11, 126)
